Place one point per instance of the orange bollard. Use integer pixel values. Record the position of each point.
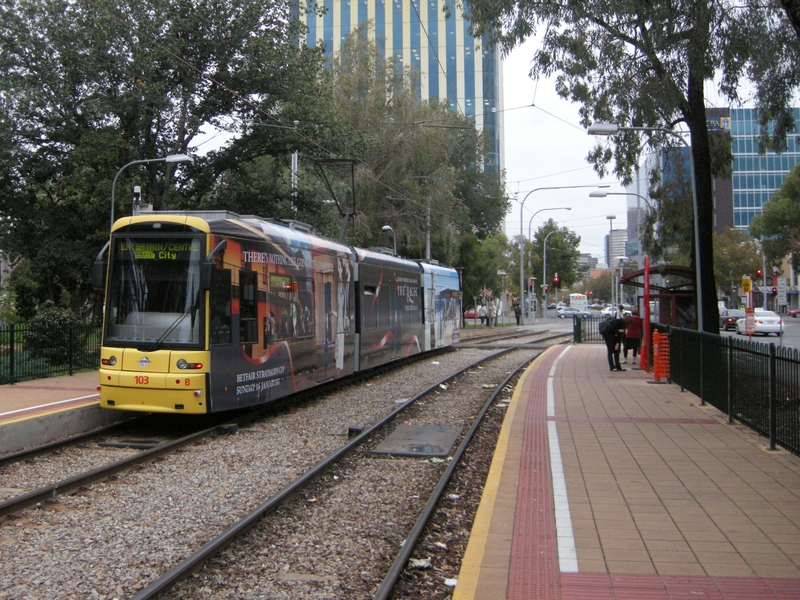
(660, 358)
(663, 355)
(656, 355)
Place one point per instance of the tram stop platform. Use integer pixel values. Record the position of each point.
(604, 485)
(42, 410)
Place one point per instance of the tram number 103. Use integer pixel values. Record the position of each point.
(141, 379)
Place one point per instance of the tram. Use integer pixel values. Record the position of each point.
(208, 311)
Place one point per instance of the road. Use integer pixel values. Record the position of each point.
(790, 338)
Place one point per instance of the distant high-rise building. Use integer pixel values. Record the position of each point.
(454, 66)
(616, 246)
(757, 176)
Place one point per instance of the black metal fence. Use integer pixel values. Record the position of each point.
(74, 349)
(755, 383)
(585, 331)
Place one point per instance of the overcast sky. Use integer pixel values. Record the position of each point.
(546, 147)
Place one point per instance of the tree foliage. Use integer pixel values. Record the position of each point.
(89, 87)
(735, 255)
(420, 165)
(779, 223)
(643, 65)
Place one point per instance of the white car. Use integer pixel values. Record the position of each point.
(611, 311)
(569, 311)
(766, 322)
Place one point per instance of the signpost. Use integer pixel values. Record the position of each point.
(782, 291)
(746, 284)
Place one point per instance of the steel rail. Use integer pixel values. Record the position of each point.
(12, 457)
(73, 483)
(193, 563)
(70, 484)
(411, 540)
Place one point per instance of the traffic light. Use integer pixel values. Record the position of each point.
(556, 281)
(530, 287)
(774, 290)
(759, 272)
(546, 288)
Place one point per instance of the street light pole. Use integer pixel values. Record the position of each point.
(522, 233)
(612, 129)
(544, 273)
(608, 258)
(172, 158)
(530, 222)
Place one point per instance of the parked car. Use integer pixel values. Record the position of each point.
(728, 318)
(470, 314)
(570, 311)
(610, 311)
(794, 313)
(766, 322)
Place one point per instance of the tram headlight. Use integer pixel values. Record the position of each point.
(109, 362)
(182, 364)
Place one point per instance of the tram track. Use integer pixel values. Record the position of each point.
(164, 586)
(230, 459)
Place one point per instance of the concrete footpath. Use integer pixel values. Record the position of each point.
(605, 485)
(39, 411)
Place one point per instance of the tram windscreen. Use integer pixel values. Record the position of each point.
(154, 292)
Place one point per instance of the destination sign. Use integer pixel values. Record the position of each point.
(149, 250)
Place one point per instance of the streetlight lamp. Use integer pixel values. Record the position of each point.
(603, 194)
(172, 158)
(530, 221)
(522, 234)
(427, 224)
(612, 129)
(394, 236)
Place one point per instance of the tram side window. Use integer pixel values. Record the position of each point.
(282, 318)
(221, 307)
(369, 307)
(385, 306)
(305, 308)
(248, 307)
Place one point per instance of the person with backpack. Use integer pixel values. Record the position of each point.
(613, 331)
(633, 337)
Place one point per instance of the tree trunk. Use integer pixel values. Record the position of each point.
(704, 202)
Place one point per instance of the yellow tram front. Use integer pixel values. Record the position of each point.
(154, 356)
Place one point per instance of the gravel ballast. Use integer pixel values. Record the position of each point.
(335, 539)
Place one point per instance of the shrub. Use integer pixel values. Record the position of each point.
(48, 333)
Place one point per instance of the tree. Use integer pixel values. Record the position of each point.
(641, 64)
(484, 259)
(601, 287)
(779, 223)
(562, 253)
(88, 87)
(420, 164)
(766, 40)
(735, 255)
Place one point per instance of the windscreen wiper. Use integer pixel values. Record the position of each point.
(157, 344)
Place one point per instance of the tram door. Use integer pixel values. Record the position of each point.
(326, 368)
(430, 310)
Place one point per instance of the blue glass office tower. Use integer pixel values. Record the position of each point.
(757, 176)
(453, 65)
